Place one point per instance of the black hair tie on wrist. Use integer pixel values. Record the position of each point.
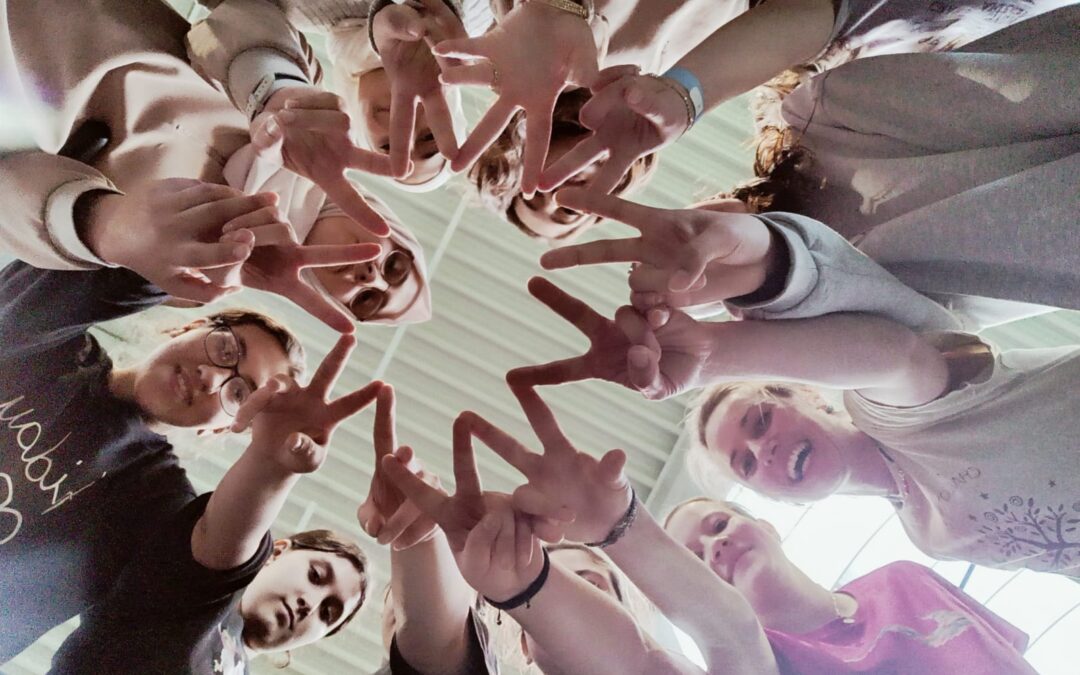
(530, 591)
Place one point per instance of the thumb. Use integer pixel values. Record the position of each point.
(399, 22)
(268, 136)
(610, 469)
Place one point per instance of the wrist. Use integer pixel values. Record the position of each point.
(622, 525)
(684, 82)
(531, 579)
(92, 220)
(774, 269)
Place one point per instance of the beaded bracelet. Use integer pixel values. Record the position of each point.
(526, 595)
(621, 525)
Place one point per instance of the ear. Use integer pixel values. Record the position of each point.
(280, 546)
(180, 330)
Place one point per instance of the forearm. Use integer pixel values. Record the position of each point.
(759, 44)
(241, 510)
(710, 611)
(583, 631)
(879, 358)
(431, 607)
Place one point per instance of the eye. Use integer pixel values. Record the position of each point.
(237, 390)
(719, 524)
(314, 575)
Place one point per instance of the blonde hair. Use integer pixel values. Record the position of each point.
(715, 477)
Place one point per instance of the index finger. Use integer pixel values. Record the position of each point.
(575, 311)
(542, 420)
(344, 194)
(350, 404)
(484, 134)
(538, 126)
(426, 498)
(466, 477)
(596, 252)
(600, 203)
(557, 372)
(326, 255)
(367, 161)
(402, 125)
(384, 434)
(327, 373)
(316, 304)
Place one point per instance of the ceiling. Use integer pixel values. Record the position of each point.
(486, 323)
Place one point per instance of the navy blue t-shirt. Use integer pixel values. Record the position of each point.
(81, 475)
(166, 612)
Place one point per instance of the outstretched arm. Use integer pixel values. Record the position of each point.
(291, 429)
(430, 598)
(714, 614)
(580, 630)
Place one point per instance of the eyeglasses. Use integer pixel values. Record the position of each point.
(396, 269)
(223, 350)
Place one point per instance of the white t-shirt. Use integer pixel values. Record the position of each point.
(990, 473)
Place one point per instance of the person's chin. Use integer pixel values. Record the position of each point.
(258, 634)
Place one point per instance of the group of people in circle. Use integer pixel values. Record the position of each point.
(915, 183)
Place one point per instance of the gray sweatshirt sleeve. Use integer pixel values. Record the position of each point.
(827, 275)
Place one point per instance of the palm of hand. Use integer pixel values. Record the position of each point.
(578, 482)
(523, 52)
(297, 424)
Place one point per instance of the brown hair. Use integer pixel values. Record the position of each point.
(329, 541)
(497, 173)
(294, 351)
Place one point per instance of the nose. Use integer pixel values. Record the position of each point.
(211, 377)
(714, 549)
(763, 449)
(303, 609)
(365, 272)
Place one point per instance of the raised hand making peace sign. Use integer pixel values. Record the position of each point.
(306, 130)
(386, 514)
(657, 363)
(687, 256)
(494, 546)
(296, 423)
(528, 59)
(403, 34)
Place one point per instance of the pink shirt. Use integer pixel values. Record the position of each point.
(910, 621)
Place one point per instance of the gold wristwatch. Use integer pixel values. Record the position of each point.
(586, 9)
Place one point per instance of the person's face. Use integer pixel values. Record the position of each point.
(541, 214)
(374, 97)
(588, 568)
(783, 447)
(729, 543)
(180, 385)
(584, 565)
(372, 289)
(297, 598)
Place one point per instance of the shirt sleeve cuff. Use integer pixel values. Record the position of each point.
(251, 66)
(801, 277)
(60, 219)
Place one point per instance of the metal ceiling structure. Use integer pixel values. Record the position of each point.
(486, 323)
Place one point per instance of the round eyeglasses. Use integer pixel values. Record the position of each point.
(396, 268)
(223, 349)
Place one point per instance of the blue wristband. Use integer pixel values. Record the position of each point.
(693, 87)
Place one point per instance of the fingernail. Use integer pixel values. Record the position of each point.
(656, 318)
(272, 126)
(240, 250)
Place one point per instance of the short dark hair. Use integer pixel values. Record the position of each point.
(329, 541)
(294, 351)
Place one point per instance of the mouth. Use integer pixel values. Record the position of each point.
(798, 461)
(733, 563)
(182, 386)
